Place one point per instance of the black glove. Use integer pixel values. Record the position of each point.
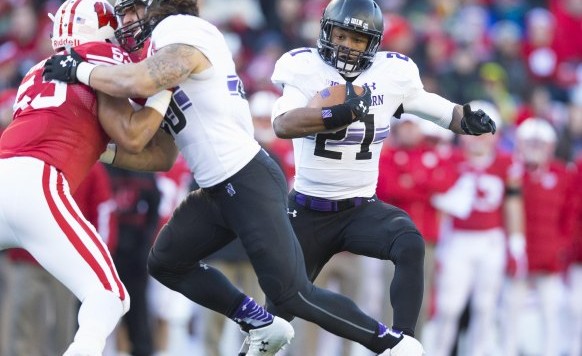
(476, 122)
(62, 67)
(359, 104)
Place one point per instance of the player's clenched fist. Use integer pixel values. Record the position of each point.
(63, 67)
(359, 104)
(476, 122)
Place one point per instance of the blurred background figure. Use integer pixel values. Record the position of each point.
(136, 199)
(261, 104)
(7, 98)
(173, 314)
(574, 307)
(484, 206)
(414, 167)
(549, 218)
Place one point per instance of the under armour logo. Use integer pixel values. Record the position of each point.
(362, 105)
(263, 346)
(292, 213)
(63, 63)
(204, 266)
(230, 190)
(391, 332)
(371, 200)
(371, 86)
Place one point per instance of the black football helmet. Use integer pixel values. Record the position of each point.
(363, 16)
(132, 37)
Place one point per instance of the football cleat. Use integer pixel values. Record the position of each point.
(268, 340)
(408, 346)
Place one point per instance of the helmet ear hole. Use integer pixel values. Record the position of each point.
(362, 16)
(81, 21)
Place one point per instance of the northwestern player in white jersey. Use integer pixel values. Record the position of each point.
(243, 191)
(333, 206)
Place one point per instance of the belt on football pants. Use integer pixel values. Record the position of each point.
(326, 205)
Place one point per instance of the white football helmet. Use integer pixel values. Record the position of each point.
(536, 140)
(81, 21)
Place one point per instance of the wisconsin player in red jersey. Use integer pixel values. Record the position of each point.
(57, 133)
(575, 269)
(548, 195)
(472, 252)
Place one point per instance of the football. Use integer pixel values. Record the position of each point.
(330, 96)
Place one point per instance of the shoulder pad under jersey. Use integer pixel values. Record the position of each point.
(296, 66)
(399, 67)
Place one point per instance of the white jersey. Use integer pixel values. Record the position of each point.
(345, 164)
(208, 116)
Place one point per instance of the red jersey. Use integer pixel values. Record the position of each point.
(491, 181)
(283, 150)
(576, 254)
(173, 186)
(547, 196)
(57, 122)
(409, 177)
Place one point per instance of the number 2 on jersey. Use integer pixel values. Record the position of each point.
(321, 139)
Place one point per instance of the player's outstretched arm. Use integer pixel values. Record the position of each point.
(167, 68)
(459, 119)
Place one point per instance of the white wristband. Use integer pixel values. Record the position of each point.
(84, 72)
(160, 101)
(108, 156)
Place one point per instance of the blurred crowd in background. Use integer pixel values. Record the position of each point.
(521, 59)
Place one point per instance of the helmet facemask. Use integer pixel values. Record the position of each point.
(361, 16)
(346, 60)
(132, 37)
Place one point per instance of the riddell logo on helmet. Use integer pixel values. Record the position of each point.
(62, 42)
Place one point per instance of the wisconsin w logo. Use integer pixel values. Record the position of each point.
(105, 15)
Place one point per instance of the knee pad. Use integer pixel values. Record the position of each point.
(408, 248)
(156, 268)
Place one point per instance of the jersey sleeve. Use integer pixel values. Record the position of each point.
(401, 68)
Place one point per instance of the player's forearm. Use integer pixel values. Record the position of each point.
(432, 107)
(455, 125)
(300, 122)
(159, 155)
(127, 80)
